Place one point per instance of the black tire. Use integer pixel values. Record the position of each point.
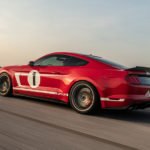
(5, 85)
(84, 98)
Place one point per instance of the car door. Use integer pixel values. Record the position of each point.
(42, 79)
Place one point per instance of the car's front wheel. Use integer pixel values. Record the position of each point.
(5, 85)
(84, 98)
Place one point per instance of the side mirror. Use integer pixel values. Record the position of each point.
(31, 63)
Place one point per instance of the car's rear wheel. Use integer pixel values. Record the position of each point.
(84, 98)
(5, 85)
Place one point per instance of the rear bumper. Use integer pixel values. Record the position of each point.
(128, 102)
(127, 96)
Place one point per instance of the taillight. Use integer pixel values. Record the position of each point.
(133, 79)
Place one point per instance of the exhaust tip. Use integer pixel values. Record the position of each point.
(132, 108)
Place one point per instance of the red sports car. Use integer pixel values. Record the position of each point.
(86, 82)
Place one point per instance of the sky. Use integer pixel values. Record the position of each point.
(117, 30)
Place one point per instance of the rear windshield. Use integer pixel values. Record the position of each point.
(106, 61)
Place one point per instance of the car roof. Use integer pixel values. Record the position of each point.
(68, 53)
(79, 55)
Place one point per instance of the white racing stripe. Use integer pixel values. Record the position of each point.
(42, 75)
(51, 75)
(116, 100)
(40, 91)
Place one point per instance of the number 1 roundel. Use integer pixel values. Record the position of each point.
(34, 79)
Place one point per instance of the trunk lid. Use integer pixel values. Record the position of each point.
(139, 75)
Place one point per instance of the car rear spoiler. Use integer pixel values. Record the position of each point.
(138, 68)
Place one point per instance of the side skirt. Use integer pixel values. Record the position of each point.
(42, 98)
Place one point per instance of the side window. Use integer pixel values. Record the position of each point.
(60, 60)
(48, 61)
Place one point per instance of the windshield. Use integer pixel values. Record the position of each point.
(100, 59)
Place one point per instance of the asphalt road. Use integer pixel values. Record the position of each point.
(27, 124)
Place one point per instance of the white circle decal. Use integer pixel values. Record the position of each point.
(34, 79)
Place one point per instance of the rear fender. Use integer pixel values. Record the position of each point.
(91, 82)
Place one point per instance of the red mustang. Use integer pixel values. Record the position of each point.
(86, 82)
